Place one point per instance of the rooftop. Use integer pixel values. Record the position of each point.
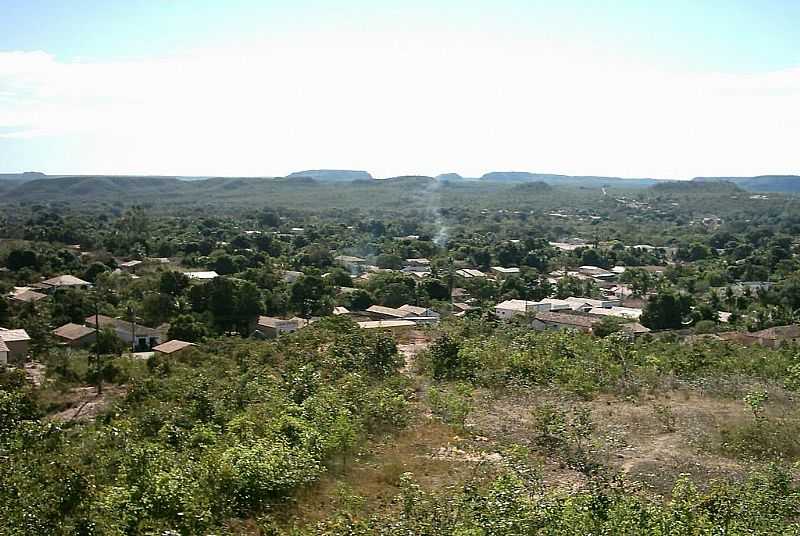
(72, 332)
(13, 335)
(121, 325)
(388, 311)
(65, 281)
(272, 322)
(172, 346)
(28, 296)
(566, 319)
(201, 275)
(375, 324)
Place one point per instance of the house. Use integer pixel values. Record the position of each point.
(75, 335)
(130, 266)
(379, 312)
(420, 315)
(501, 272)
(634, 328)
(270, 327)
(511, 308)
(461, 307)
(201, 276)
(619, 312)
(64, 281)
(27, 296)
(588, 303)
(392, 325)
(13, 346)
(421, 263)
(777, 336)
(173, 346)
(419, 311)
(141, 338)
(469, 273)
(338, 311)
(561, 305)
(752, 287)
(595, 272)
(550, 320)
(459, 293)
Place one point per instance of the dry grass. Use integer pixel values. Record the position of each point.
(370, 481)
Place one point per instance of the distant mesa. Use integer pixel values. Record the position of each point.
(452, 177)
(698, 187)
(761, 183)
(591, 181)
(331, 175)
(536, 186)
(26, 176)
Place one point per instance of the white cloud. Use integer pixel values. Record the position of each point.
(466, 103)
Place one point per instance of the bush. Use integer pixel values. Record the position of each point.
(452, 405)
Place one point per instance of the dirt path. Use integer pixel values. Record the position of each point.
(86, 404)
(35, 373)
(415, 343)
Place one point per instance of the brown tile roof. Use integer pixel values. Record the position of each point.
(122, 325)
(65, 281)
(172, 346)
(14, 335)
(272, 322)
(566, 319)
(29, 296)
(72, 332)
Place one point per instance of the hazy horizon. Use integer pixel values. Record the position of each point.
(246, 88)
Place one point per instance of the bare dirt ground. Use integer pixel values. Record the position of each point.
(652, 440)
(412, 343)
(631, 436)
(85, 404)
(35, 372)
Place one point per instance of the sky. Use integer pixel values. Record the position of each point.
(262, 88)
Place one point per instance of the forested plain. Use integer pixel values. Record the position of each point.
(470, 426)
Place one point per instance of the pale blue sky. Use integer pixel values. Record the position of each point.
(464, 86)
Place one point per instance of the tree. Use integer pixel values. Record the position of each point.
(22, 258)
(157, 308)
(70, 305)
(607, 326)
(311, 296)
(389, 262)
(359, 300)
(249, 304)
(173, 283)
(269, 218)
(4, 310)
(447, 363)
(435, 289)
(666, 310)
(187, 328)
(95, 269)
(392, 289)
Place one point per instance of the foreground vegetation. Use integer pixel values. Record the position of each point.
(231, 438)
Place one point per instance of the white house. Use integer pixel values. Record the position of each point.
(469, 273)
(141, 337)
(502, 272)
(202, 276)
(630, 313)
(511, 308)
